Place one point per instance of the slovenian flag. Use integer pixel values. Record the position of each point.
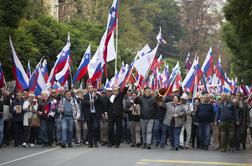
(22, 81)
(207, 67)
(61, 61)
(41, 84)
(83, 67)
(160, 38)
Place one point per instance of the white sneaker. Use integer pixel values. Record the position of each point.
(24, 145)
(32, 145)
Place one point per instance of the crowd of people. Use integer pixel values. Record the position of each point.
(112, 116)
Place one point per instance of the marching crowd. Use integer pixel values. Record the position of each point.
(110, 117)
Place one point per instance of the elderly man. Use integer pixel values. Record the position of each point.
(92, 105)
(115, 115)
(187, 125)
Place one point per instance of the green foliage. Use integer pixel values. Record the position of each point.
(237, 33)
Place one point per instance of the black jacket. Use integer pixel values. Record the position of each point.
(116, 108)
(205, 113)
(148, 107)
(17, 117)
(85, 106)
(1, 107)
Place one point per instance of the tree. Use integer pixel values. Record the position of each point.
(237, 33)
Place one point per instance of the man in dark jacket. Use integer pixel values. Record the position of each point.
(227, 118)
(92, 105)
(147, 114)
(115, 115)
(18, 115)
(46, 120)
(205, 116)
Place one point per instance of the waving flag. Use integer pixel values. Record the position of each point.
(165, 75)
(61, 61)
(207, 67)
(188, 63)
(82, 69)
(143, 64)
(156, 63)
(44, 70)
(107, 84)
(22, 81)
(226, 87)
(160, 38)
(2, 80)
(188, 81)
(34, 77)
(96, 63)
(111, 25)
(146, 49)
(41, 85)
(28, 72)
(177, 82)
(219, 72)
(62, 76)
(172, 78)
(122, 73)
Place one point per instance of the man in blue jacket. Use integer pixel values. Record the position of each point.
(227, 118)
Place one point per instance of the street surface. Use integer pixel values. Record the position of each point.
(124, 156)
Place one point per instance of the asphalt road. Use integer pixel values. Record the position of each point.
(124, 156)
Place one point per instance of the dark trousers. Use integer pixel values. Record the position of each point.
(18, 132)
(30, 134)
(243, 135)
(7, 132)
(46, 131)
(114, 138)
(227, 135)
(204, 131)
(194, 135)
(125, 130)
(93, 129)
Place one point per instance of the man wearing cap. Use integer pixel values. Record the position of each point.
(147, 115)
(187, 125)
(115, 115)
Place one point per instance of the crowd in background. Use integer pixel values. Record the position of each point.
(112, 116)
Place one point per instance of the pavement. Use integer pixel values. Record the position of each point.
(123, 156)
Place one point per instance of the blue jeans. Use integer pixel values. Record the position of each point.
(1, 131)
(58, 129)
(165, 130)
(46, 131)
(174, 133)
(204, 130)
(67, 130)
(160, 132)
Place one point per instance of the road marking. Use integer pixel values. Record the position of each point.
(194, 162)
(25, 157)
(141, 163)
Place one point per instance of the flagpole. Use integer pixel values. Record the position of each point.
(116, 45)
